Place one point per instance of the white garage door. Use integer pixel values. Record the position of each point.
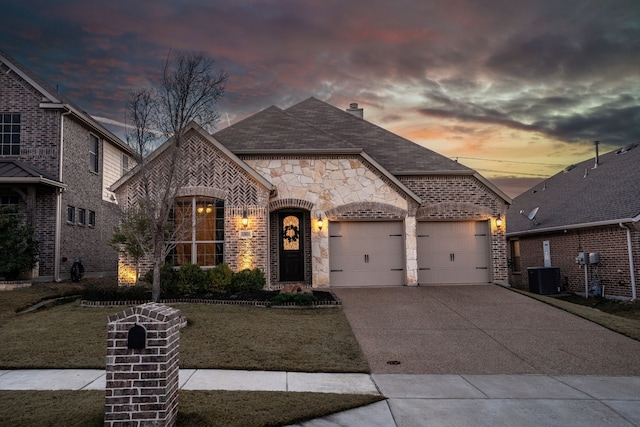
(366, 253)
(453, 252)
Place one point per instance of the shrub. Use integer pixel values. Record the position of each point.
(220, 277)
(297, 298)
(192, 279)
(168, 280)
(18, 249)
(116, 293)
(247, 281)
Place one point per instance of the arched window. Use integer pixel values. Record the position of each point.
(199, 231)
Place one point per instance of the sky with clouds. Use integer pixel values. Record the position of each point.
(514, 89)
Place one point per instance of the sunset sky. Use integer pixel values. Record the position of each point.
(515, 89)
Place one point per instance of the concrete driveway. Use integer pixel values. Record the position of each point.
(479, 329)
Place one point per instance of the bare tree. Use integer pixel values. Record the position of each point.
(188, 91)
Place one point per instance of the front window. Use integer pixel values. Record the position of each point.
(9, 134)
(199, 231)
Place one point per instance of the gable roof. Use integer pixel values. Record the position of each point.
(193, 127)
(13, 171)
(582, 195)
(315, 125)
(52, 99)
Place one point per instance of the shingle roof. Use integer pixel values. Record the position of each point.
(582, 195)
(16, 171)
(314, 124)
(56, 98)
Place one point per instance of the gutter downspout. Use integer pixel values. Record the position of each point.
(631, 266)
(58, 232)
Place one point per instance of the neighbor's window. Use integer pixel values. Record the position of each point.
(71, 215)
(9, 134)
(515, 255)
(93, 153)
(125, 163)
(92, 219)
(199, 228)
(82, 216)
(9, 201)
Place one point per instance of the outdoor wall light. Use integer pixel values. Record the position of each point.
(499, 221)
(320, 223)
(245, 218)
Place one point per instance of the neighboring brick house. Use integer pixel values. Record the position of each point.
(331, 199)
(56, 164)
(591, 207)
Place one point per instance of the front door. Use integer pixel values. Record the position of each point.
(291, 247)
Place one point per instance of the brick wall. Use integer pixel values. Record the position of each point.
(464, 198)
(39, 135)
(84, 191)
(142, 384)
(610, 242)
(208, 171)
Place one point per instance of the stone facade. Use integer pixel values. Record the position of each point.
(142, 374)
(326, 184)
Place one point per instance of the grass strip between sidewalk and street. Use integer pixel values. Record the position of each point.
(195, 408)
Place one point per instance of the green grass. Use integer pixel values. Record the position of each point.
(628, 325)
(217, 336)
(195, 408)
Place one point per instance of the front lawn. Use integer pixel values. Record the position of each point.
(216, 336)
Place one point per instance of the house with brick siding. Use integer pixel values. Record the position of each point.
(319, 196)
(56, 165)
(589, 208)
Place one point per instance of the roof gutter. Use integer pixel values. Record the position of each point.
(33, 180)
(573, 226)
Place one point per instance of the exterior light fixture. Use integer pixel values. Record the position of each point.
(320, 223)
(499, 221)
(245, 218)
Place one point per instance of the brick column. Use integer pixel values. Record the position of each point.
(142, 366)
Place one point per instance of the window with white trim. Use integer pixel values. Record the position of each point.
(94, 156)
(199, 226)
(9, 134)
(82, 216)
(71, 215)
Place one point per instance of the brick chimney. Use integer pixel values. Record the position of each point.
(353, 109)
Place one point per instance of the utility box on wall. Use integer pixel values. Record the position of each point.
(544, 280)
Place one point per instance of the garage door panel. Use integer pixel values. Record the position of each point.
(453, 252)
(366, 253)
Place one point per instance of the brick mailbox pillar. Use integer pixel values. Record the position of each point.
(142, 366)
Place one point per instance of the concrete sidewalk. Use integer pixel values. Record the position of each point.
(412, 400)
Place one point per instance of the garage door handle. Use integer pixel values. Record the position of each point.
(425, 268)
(366, 258)
(397, 269)
(482, 268)
(335, 271)
(452, 257)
